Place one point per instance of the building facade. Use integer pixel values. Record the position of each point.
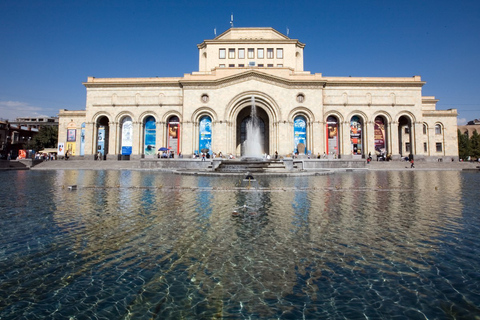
(300, 112)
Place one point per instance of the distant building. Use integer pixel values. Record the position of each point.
(344, 117)
(470, 127)
(36, 123)
(14, 137)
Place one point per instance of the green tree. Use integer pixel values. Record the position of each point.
(464, 148)
(47, 137)
(475, 145)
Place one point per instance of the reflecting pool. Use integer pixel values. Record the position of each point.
(151, 245)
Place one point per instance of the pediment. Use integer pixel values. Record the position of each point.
(250, 75)
(252, 34)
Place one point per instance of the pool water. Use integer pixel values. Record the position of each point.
(153, 245)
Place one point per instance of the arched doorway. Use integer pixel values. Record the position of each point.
(205, 135)
(333, 145)
(173, 129)
(149, 136)
(356, 136)
(103, 133)
(243, 118)
(126, 134)
(380, 137)
(404, 136)
(300, 135)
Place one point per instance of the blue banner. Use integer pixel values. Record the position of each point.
(82, 140)
(205, 134)
(150, 136)
(300, 133)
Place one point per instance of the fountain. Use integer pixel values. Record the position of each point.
(252, 146)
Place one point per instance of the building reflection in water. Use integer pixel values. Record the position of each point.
(173, 237)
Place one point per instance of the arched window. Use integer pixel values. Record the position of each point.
(438, 129)
(332, 136)
(127, 136)
(424, 128)
(300, 135)
(150, 135)
(356, 127)
(205, 135)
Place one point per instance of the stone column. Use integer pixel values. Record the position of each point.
(370, 138)
(90, 140)
(136, 140)
(112, 140)
(345, 151)
(394, 147)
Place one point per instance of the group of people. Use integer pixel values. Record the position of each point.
(167, 155)
(45, 156)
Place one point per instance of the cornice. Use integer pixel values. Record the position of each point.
(373, 83)
(252, 75)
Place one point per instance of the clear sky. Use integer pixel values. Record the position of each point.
(48, 48)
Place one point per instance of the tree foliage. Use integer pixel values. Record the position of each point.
(47, 137)
(464, 148)
(475, 145)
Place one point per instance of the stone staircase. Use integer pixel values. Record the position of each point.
(252, 166)
(12, 165)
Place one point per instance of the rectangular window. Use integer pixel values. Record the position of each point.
(270, 53)
(231, 65)
(439, 146)
(407, 130)
(222, 66)
(438, 129)
(407, 146)
(221, 54)
(280, 65)
(231, 53)
(424, 129)
(425, 147)
(241, 53)
(260, 53)
(251, 53)
(241, 65)
(260, 65)
(251, 64)
(279, 53)
(270, 65)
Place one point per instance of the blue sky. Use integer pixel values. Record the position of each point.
(48, 48)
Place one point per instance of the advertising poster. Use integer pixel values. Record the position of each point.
(173, 136)
(300, 132)
(379, 136)
(356, 135)
(71, 135)
(332, 135)
(150, 136)
(127, 132)
(71, 148)
(61, 149)
(101, 140)
(205, 134)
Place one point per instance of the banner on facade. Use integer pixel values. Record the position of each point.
(150, 136)
(300, 133)
(127, 132)
(61, 149)
(379, 132)
(205, 133)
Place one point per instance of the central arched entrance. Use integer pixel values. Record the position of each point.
(242, 119)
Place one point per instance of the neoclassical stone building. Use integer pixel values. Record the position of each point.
(345, 117)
